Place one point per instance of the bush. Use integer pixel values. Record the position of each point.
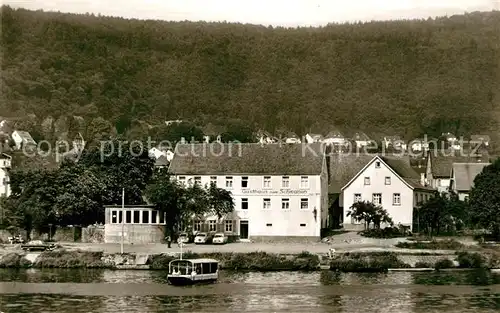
(385, 233)
(423, 265)
(14, 260)
(471, 260)
(443, 264)
(70, 259)
(448, 244)
(367, 262)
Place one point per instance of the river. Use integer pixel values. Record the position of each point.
(78, 291)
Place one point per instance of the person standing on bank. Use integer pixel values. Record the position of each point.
(169, 241)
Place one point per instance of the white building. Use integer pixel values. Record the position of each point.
(389, 183)
(280, 191)
(22, 139)
(157, 153)
(462, 177)
(5, 164)
(312, 138)
(335, 138)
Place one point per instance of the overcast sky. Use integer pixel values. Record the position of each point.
(267, 12)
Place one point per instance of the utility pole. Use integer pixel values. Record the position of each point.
(123, 218)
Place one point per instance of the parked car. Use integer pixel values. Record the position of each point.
(38, 245)
(220, 239)
(183, 237)
(203, 238)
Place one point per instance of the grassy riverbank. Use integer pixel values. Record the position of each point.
(257, 261)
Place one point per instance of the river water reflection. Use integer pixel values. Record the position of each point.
(78, 291)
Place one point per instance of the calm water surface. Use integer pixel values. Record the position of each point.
(79, 291)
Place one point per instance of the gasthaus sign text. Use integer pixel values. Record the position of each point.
(276, 192)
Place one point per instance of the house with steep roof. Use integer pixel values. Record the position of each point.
(440, 166)
(387, 182)
(335, 137)
(264, 137)
(394, 142)
(312, 138)
(361, 139)
(462, 177)
(23, 139)
(5, 165)
(483, 140)
(292, 137)
(280, 191)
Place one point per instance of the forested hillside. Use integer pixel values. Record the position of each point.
(404, 77)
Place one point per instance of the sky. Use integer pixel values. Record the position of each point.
(288, 13)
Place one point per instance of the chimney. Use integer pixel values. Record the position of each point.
(183, 140)
(422, 179)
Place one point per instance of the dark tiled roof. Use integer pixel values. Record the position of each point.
(249, 158)
(464, 174)
(161, 161)
(443, 164)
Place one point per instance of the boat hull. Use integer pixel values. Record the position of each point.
(186, 281)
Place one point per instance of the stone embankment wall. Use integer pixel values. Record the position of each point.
(90, 234)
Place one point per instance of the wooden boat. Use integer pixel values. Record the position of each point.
(192, 271)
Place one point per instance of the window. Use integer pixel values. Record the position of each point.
(154, 217)
(285, 204)
(244, 204)
(387, 180)
(396, 199)
(182, 180)
(367, 181)
(466, 198)
(377, 164)
(267, 203)
(304, 182)
(197, 226)
(244, 182)
(137, 215)
(304, 203)
(267, 182)
(212, 225)
(377, 198)
(269, 225)
(213, 180)
(285, 182)
(162, 217)
(302, 225)
(357, 197)
(197, 180)
(128, 217)
(145, 217)
(114, 217)
(229, 226)
(229, 182)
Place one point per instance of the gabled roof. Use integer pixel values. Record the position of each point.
(334, 134)
(24, 135)
(441, 165)
(464, 174)
(161, 161)
(399, 166)
(248, 158)
(5, 156)
(316, 136)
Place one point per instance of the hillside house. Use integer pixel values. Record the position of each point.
(361, 139)
(483, 140)
(291, 137)
(5, 165)
(313, 138)
(390, 183)
(265, 137)
(159, 152)
(173, 122)
(23, 139)
(279, 191)
(419, 145)
(451, 141)
(335, 137)
(394, 142)
(462, 177)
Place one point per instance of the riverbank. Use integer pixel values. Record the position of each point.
(370, 261)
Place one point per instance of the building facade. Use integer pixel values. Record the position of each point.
(140, 224)
(5, 164)
(279, 191)
(388, 183)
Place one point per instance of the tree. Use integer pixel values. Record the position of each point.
(485, 199)
(369, 213)
(220, 201)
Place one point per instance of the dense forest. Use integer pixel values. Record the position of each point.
(120, 75)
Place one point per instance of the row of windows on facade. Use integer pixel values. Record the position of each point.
(368, 181)
(228, 226)
(138, 217)
(266, 181)
(396, 198)
(285, 203)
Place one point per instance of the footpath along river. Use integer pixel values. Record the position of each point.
(78, 291)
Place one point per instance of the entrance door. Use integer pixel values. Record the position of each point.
(243, 229)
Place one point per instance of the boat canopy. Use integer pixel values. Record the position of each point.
(198, 266)
(195, 261)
